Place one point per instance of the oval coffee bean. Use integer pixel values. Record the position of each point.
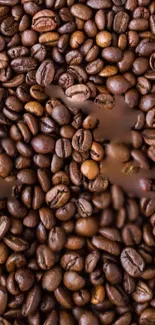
(132, 262)
(58, 196)
(52, 279)
(44, 21)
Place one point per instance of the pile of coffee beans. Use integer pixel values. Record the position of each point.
(74, 249)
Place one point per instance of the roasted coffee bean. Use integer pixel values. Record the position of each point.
(58, 196)
(45, 257)
(23, 64)
(88, 316)
(52, 279)
(43, 144)
(116, 295)
(72, 261)
(45, 73)
(132, 262)
(82, 140)
(44, 21)
(73, 281)
(63, 148)
(57, 239)
(103, 243)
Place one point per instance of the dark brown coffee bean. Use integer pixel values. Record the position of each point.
(121, 22)
(66, 212)
(3, 300)
(32, 301)
(147, 316)
(52, 278)
(131, 235)
(82, 140)
(142, 293)
(45, 257)
(63, 297)
(117, 85)
(45, 73)
(99, 4)
(116, 295)
(91, 261)
(9, 26)
(86, 227)
(63, 148)
(17, 244)
(38, 51)
(75, 91)
(112, 54)
(103, 243)
(72, 261)
(58, 196)
(73, 281)
(81, 11)
(138, 24)
(24, 279)
(56, 239)
(88, 317)
(132, 262)
(43, 144)
(23, 64)
(4, 225)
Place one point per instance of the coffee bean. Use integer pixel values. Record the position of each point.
(112, 54)
(112, 272)
(138, 24)
(63, 297)
(45, 73)
(117, 85)
(142, 293)
(57, 239)
(63, 148)
(131, 235)
(106, 245)
(73, 281)
(66, 212)
(116, 295)
(6, 165)
(38, 51)
(81, 11)
(52, 279)
(86, 227)
(43, 144)
(132, 262)
(118, 151)
(147, 316)
(103, 39)
(94, 67)
(82, 140)
(74, 92)
(17, 244)
(90, 169)
(32, 301)
(23, 64)
(72, 261)
(44, 21)
(45, 257)
(78, 73)
(88, 316)
(58, 196)
(99, 4)
(3, 60)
